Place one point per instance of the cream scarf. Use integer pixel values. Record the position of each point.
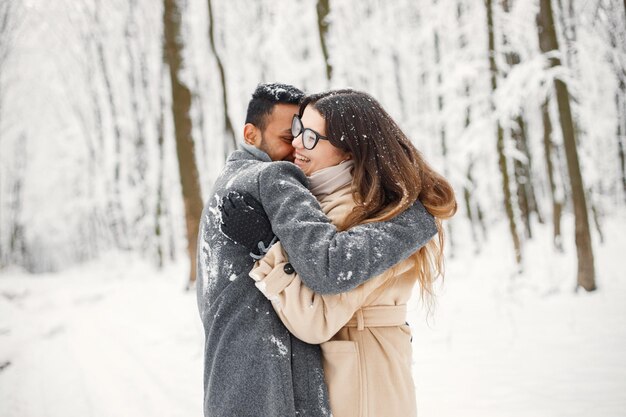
(328, 180)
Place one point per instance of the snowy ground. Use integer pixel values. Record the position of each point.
(107, 339)
(502, 345)
(116, 338)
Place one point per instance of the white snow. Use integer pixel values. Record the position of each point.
(280, 91)
(282, 349)
(117, 338)
(113, 338)
(505, 345)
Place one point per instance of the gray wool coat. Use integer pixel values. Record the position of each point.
(253, 366)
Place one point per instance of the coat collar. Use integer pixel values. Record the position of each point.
(249, 152)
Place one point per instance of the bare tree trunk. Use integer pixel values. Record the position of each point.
(523, 177)
(615, 32)
(568, 23)
(548, 43)
(442, 128)
(9, 21)
(100, 227)
(138, 177)
(557, 201)
(158, 218)
(230, 143)
(569, 31)
(17, 245)
(17, 253)
(399, 87)
(502, 158)
(115, 210)
(474, 212)
(204, 144)
(11, 16)
(323, 10)
(3, 252)
(98, 157)
(621, 133)
(467, 198)
(140, 163)
(472, 206)
(181, 105)
(522, 169)
(596, 220)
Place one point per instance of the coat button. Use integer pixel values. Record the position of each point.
(288, 269)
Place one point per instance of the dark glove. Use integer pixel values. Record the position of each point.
(244, 222)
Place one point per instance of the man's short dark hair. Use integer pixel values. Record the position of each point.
(266, 96)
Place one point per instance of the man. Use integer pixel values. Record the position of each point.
(253, 366)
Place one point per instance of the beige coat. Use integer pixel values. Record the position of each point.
(366, 345)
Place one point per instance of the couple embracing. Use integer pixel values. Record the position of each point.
(310, 245)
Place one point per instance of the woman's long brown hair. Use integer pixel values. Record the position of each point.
(389, 173)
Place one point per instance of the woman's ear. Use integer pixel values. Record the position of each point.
(250, 134)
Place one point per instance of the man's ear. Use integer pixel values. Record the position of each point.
(250, 134)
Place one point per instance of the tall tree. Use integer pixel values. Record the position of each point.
(115, 209)
(472, 204)
(230, 143)
(556, 196)
(137, 82)
(7, 32)
(522, 167)
(620, 104)
(103, 226)
(442, 125)
(614, 24)
(160, 209)
(502, 157)
(181, 106)
(6, 19)
(323, 10)
(18, 250)
(548, 44)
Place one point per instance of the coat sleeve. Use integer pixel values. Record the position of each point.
(328, 261)
(311, 317)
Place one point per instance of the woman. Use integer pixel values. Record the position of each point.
(362, 168)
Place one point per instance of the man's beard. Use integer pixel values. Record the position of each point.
(264, 147)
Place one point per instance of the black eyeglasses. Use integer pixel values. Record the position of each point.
(309, 136)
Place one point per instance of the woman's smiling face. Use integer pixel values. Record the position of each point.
(324, 154)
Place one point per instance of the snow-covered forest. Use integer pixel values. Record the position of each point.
(116, 117)
(89, 156)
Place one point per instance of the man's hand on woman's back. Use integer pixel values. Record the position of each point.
(244, 222)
